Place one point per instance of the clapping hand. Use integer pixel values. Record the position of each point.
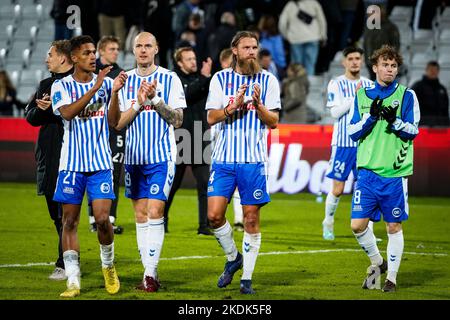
(375, 107)
(389, 114)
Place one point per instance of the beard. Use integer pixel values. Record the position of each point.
(249, 66)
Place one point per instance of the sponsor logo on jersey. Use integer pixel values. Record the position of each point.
(57, 97)
(395, 103)
(101, 93)
(396, 212)
(104, 187)
(257, 194)
(68, 190)
(357, 207)
(210, 189)
(92, 111)
(154, 189)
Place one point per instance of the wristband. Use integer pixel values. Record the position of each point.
(155, 100)
(136, 106)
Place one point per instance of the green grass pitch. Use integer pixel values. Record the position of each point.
(295, 263)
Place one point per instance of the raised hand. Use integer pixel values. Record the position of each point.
(119, 81)
(375, 107)
(143, 92)
(389, 114)
(239, 98)
(44, 103)
(100, 77)
(152, 89)
(206, 68)
(256, 95)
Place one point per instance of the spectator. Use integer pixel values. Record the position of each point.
(180, 18)
(196, 86)
(348, 13)
(111, 19)
(266, 62)
(432, 96)
(374, 39)
(8, 95)
(271, 40)
(225, 58)
(197, 26)
(328, 49)
(295, 88)
(221, 38)
(60, 15)
(302, 23)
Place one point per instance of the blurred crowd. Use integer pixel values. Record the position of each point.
(299, 39)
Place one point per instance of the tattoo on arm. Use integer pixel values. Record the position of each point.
(172, 116)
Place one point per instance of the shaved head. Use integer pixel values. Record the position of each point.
(145, 49)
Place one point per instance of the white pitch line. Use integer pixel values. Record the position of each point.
(35, 264)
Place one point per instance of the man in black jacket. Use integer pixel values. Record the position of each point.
(432, 96)
(48, 147)
(196, 87)
(108, 48)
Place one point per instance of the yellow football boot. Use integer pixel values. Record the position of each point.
(112, 283)
(72, 291)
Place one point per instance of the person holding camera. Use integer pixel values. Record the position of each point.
(302, 23)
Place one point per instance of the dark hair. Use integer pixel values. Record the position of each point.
(264, 53)
(433, 63)
(62, 47)
(237, 38)
(267, 23)
(78, 41)
(105, 40)
(352, 49)
(386, 52)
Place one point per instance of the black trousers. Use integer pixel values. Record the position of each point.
(117, 172)
(55, 210)
(201, 175)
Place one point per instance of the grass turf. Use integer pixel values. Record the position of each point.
(295, 263)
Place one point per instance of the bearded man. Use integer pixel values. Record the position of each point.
(244, 100)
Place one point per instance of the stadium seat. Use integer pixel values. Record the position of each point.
(444, 76)
(30, 77)
(444, 58)
(317, 82)
(46, 32)
(422, 58)
(401, 13)
(14, 74)
(414, 75)
(25, 92)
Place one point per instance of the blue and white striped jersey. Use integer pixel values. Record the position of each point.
(242, 137)
(341, 95)
(86, 137)
(150, 139)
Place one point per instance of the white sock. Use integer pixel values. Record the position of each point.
(142, 241)
(370, 225)
(394, 254)
(368, 243)
(72, 267)
(107, 255)
(331, 204)
(237, 208)
(250, 249)
(91, 219)
(224, 236)
(155, 243)
(112, 219)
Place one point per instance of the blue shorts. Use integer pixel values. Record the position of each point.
(375, 195)
(249, 178)
(71, 185)
(150, 181)
(342, 162)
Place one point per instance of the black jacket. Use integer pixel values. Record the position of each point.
(196, 88)
(49, 142)
(433, 101)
